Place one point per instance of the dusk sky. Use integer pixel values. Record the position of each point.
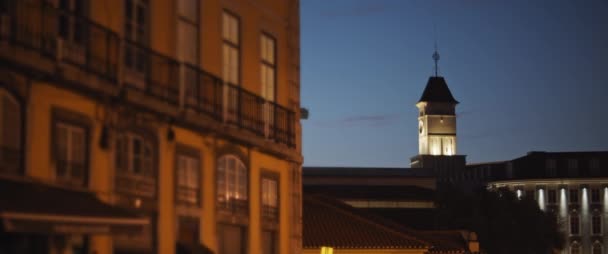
(529, 75)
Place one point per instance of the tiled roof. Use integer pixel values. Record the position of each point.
(328, 223)
(437, 90)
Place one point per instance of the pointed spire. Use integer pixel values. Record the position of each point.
(436, 59)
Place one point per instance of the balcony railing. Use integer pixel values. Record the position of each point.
(10, 160)
(70, 172)
(235, 206)
(65, 37)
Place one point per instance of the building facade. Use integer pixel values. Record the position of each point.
(182, 112)
(571, 185)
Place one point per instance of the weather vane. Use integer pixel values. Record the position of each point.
(436, 54)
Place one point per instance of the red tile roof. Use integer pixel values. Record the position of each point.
(330, 224)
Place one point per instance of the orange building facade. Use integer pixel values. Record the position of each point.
(180, 117)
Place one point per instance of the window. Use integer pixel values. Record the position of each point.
(136, 31)
(230, 48)
(134, 155)
(573, 196)
(71, 26)
(188, 179)
(574, 224)
(188, 232)
(70, 153)
(597, 248)
(594, 167)
(188, 45)
(550, 167)
(552, 196)
(270, 242)
(595, 195)
(575, 248)
(232, 239)
(10, 134)
(596, 224)
(572, 167)
(268, 76)
(270, 198)
(232, 184)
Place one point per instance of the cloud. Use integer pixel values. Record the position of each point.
(377, 120)
(359, 10)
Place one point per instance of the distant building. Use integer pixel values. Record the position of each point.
(571, 185)
(148, 126)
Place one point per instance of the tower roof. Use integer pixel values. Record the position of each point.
(437, 91)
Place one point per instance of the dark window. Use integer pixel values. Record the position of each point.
(530, 194)
(71, 20)
(575, 248)
(10, 134)
(269, 242)
(574, 224)
(573, 196)
(70, 149)
(232, 239)
(552, 199)
(597, 248)
(136, 31)
(596, 224)
(188, 232)
(595, 195)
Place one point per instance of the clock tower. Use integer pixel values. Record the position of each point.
(437, 128)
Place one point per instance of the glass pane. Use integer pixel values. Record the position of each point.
(61, 143)
(188, 9)
(187, 42)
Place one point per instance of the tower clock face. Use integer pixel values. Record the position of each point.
(420, 127)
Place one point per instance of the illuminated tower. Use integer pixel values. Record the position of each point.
(437, 127)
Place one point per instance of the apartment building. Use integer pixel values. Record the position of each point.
(146, 126)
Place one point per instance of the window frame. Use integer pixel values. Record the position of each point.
(231, 206)
(273, 66)
(192, 154)
(19, 133)
(122, 174)
(574, 218)
(180, 17)
(60, 116)
(271, 176)
(232, 45)
(572, 200)
(599, 221)
(552, 196)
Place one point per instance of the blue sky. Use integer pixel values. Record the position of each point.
(530, 75)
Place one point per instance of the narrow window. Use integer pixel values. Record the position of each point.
(550, 167)
(596, 224)
(134, 162)
(232, 184)
(270, 198)
(136, 34)
(268, 77)
(552, 197)
(595, 195)
(10, 134)
(70, 154)
(573, 196)
(230, 48)
(188, 179)
(574, 224)
(71, 23)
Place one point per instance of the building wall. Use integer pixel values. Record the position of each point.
(48, 91)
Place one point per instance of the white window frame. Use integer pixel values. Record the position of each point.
(71, 131)
(233, 182)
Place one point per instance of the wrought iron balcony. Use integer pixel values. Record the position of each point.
(68, 39)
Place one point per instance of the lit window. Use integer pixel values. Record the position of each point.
(270, 198)
(70, 153)
(573, 196)
(10, 134)
(596, 224)
(232, 184)
(188, 180)
(574, 224)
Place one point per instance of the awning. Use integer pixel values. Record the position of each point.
(32, 207)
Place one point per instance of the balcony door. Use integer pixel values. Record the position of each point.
(72, 29)
(136, 34)
(230, 65)
(268, 79)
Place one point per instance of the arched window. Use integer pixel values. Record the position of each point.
(597, 248)
(10, 133)
(232, 182)
(575, 248)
